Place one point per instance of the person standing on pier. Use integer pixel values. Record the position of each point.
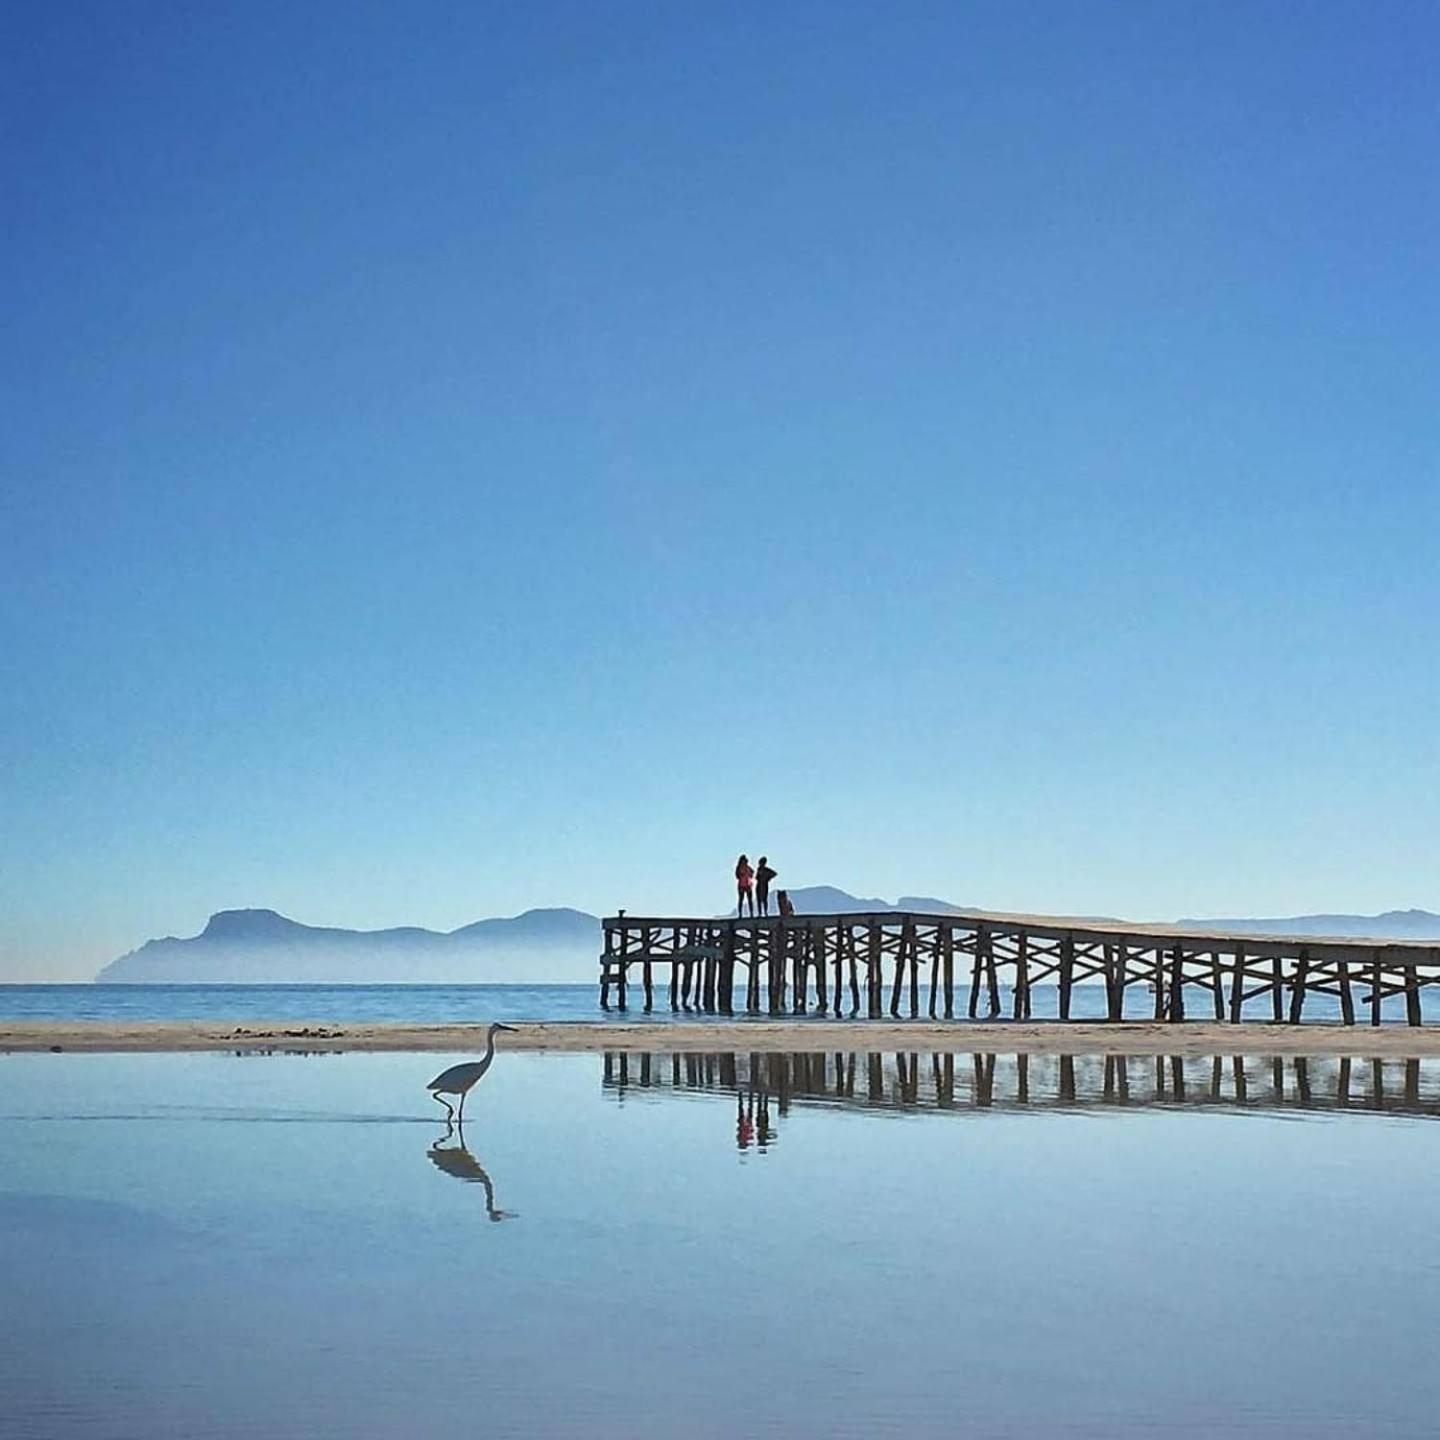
(763, 876)
(744, 882)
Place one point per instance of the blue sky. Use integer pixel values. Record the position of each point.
(463, 458)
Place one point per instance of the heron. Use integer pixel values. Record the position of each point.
(461, 1079)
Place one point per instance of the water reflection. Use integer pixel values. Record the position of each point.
(906, 1081)
(456, 1160)
(753, 1125)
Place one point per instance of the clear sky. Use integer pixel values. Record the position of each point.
(458, 458)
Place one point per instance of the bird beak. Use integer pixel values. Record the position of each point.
(510, 1028)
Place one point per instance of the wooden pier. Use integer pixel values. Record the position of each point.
(902, 963)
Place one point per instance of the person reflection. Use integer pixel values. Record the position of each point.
(752, 1119)
(456, 1160)
(744, 1123)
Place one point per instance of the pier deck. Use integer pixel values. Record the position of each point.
(910, 963)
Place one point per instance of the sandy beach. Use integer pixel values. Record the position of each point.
(1030, 1037)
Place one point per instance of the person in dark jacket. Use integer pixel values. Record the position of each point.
(763, 876)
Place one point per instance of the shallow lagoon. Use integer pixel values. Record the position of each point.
(216, 1245)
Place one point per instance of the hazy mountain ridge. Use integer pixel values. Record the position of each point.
(1388, 925)
(257, 947)
(828, 900)
(248, 947)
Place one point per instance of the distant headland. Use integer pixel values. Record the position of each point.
(545, 946)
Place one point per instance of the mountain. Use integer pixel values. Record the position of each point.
(259, 947)
(827, 900)
(1391, 925)
(263, 947)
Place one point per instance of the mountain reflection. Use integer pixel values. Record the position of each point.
(904, 1082)
(456, 1160)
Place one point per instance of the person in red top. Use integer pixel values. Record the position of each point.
(744, 883)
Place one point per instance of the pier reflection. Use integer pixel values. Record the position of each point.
(903, 1082)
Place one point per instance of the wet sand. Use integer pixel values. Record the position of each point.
(1028, 1037)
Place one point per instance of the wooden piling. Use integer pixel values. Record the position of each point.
(1177, 985)
(901, 952)
(1237, 985)
(975, 971)
(1067, 975)
(935, 974)
(774, 970)
(854, 977)
(1297, 987)
(800, 970)
(992, 979)
(872, 967)
(914, 970)
(948, 961)
(1020, 1007)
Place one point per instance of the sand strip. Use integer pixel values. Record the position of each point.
(1028, 1037)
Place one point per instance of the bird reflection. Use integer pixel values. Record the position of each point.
(456, 1160)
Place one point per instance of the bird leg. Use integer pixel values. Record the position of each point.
(436, 1095)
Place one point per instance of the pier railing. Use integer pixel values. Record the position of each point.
(909, 963)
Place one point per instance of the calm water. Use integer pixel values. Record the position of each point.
(437, 1003)
(463, 1003)
(221, 1245)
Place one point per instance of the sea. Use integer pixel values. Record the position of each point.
(227, 1245)
(465, 1004)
